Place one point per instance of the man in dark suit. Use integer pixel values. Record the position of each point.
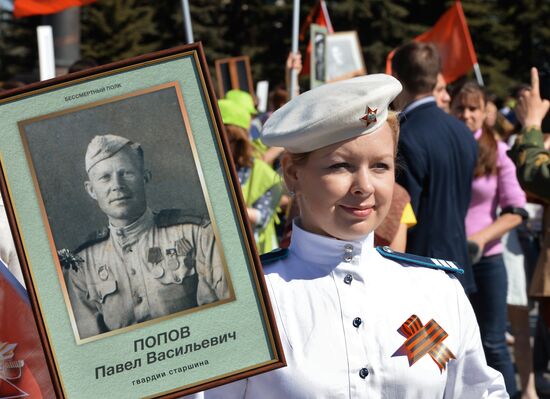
(439, 154)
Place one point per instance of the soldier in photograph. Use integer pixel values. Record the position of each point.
(145, 264)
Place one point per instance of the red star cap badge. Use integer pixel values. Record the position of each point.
(370, 116)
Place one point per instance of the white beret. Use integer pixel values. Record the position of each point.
(331, 113)
(103, 147)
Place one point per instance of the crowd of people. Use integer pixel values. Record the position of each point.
(456, 197)
(439, 178)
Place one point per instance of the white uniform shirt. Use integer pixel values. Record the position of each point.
(317, 294)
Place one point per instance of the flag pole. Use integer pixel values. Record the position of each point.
(479, 78)
(187, 21)
(295, 28)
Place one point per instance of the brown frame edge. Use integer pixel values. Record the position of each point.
(231, 62)
(38, 87)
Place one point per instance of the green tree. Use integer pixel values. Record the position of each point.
(509, 35)
(531, 35)
(381, 26)
(209, 26)
(262, 30)
(486, 23)
(18, 48)
(117, 29)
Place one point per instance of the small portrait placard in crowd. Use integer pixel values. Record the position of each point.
(133, 237)
(234, 73)
(344, 56)
(318, 64)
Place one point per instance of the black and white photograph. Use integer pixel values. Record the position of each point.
(344, 56)
(318, 65)
(320, 56)
(128, 214)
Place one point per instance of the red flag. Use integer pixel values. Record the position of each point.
(23, 368)
(25, 8)
(318, 15)
(451, 36)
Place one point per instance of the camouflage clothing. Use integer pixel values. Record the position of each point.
(533, 163)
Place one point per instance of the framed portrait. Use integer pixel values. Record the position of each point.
(318, 60)
(131, 231)
(234, 73)
(344, 56)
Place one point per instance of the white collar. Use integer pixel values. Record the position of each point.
(326, 250)
(418, 103)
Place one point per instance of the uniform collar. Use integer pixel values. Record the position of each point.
(327, 250)
(129, 235)
(418, 103)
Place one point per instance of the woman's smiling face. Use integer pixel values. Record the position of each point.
(344, 190)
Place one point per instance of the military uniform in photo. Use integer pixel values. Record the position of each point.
(160, 264)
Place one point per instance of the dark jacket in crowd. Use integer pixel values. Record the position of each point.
(438, 154)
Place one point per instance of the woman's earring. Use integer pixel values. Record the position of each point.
(291, 193)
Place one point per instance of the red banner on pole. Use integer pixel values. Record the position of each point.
(26, 8)
(451, 36)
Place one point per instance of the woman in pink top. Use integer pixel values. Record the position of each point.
(494, 186)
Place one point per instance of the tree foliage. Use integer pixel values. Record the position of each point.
(18, 51)
(509, 35)
(117, 29)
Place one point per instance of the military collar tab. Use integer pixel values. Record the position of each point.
(273, 256)
(421, 261)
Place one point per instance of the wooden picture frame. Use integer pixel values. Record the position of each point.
(171, 302)
(234, 73)
(344, 56)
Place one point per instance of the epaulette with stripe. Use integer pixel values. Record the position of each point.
(422, 261)
(171, 217)
(164, 218)
(94, 238)
(273, 256)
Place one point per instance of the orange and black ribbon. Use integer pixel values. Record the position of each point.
(424, 339)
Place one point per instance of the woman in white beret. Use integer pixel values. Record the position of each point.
(357, 321)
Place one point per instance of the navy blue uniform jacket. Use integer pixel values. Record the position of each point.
(438, 154)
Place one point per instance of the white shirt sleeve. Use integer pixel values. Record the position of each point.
(469, 376)
(198, 395)
(235, 390)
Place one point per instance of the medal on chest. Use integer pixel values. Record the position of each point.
(103, 273)
(172, 259)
